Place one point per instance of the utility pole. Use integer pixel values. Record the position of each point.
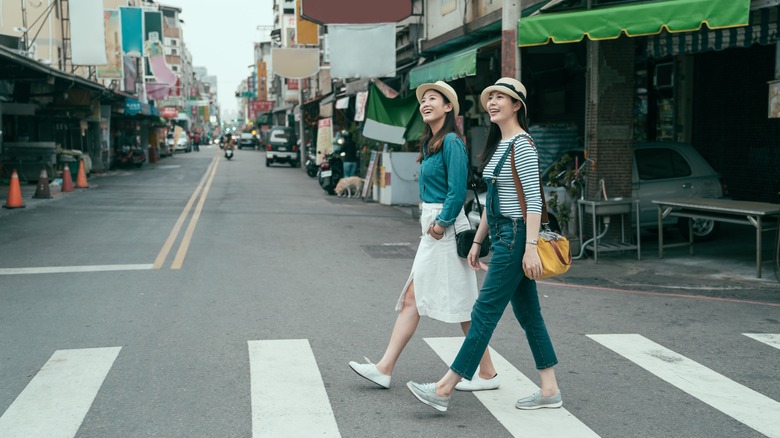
(510, 52)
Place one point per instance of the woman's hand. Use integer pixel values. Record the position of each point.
(532, 265)
(433, 232)
(473, 259)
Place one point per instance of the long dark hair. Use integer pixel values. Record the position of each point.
(434, 142)
(494, 135)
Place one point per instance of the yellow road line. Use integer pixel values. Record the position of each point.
(163, 254)
(185, 241)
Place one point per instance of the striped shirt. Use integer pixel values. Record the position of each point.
(527, 163)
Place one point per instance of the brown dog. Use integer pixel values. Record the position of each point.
(349, 187)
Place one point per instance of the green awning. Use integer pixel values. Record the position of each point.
(634, 20)
(456, 65)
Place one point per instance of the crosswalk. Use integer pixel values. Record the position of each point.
(283, 373)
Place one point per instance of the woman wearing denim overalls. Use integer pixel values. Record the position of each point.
(441, 284)
(514, 251)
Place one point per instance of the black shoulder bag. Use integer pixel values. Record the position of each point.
(465, 239)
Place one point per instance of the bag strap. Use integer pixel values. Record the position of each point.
(519, 185)
(558, 253)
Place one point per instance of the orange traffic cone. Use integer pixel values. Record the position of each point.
(42, 191)
(81, 178)
(67, 180)
(14, 199)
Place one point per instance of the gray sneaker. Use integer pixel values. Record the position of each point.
(426, 393)
(536, 401)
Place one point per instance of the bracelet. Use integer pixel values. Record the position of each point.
(532, 242)
(476, 243)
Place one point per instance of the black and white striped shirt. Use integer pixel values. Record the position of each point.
(527, 163)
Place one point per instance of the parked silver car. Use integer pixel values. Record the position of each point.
(661, 170)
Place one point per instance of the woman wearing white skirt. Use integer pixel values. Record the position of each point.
(441, 284)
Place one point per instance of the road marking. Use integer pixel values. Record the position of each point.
(771, 339)
(58, 398)
(178, 261)
(288, 395)
(737, 401)
(514, 385)
(163, 254)
(65, 269)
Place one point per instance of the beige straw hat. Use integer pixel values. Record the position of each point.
(510, 87)
(443, 88)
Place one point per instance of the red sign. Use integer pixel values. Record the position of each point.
(265, 105)
(355, 11)
(292, 84)
(169, 112)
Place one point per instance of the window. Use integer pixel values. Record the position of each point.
(174, 52)
(175, 68)
(661, 163)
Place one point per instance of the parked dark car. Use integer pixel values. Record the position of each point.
(282, 147)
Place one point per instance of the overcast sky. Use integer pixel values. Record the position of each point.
(221, 35)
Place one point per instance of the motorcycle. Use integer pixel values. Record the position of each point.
(131, 156)
(228, 153)
(331, 171)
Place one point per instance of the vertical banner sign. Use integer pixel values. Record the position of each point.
(262, 77)
(130, 65)
(306, 31)
(360, 106)
(288, 30)
(324, 138)
(132, 31)
(87, 32)
(112, 70)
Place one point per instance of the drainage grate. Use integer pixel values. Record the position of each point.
(389, 251)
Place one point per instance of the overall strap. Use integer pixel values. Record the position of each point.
(519, 185)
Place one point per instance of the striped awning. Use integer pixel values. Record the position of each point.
(762, 30)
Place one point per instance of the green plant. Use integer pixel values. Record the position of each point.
(564, 174)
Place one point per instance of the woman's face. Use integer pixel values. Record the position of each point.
(432, 107)
(501, 107)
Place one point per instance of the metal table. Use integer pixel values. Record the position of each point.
(616, 206)
(723, 210)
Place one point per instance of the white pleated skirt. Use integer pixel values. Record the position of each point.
(445, 287)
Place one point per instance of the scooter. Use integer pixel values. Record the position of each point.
(331, 171)
(131, 156)
(311, 162)
(228, 153)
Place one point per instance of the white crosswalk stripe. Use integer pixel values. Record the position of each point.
(771, 339)
(55, 402)
(501, 402)
(288, 394)
(743, 404)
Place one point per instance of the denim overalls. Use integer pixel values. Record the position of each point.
(504, 282)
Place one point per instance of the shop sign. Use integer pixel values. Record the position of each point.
(170, 112)
(265, 105)
(132, 107)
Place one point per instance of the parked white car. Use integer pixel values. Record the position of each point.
(661, 170)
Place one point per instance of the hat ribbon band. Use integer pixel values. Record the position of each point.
(512, 87)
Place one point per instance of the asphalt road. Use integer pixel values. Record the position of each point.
(198, 297)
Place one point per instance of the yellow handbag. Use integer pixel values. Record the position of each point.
(553, 249)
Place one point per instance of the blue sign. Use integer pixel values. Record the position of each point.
(132, 107)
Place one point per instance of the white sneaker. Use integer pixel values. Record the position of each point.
(369, 372)
(478, 384)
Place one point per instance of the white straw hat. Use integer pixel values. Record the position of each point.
(443, 88)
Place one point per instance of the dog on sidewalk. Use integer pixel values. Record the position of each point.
(349, 187)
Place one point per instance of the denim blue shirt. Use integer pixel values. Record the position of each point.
(441, 186)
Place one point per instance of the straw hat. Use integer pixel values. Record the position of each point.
(443, 88)
(510, 87)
